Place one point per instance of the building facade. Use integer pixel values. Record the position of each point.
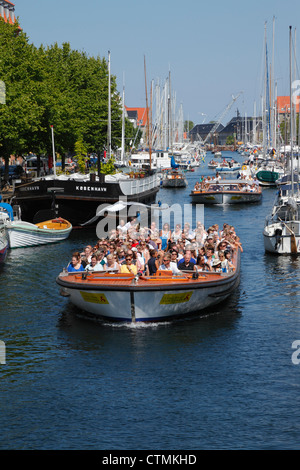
(7, 11)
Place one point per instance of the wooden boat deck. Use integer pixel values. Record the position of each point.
(54, 224)
(126, 281)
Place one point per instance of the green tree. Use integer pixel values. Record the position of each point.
(230, 140)
(80, 154)
(55, 86)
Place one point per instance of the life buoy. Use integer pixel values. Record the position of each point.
(244, 167)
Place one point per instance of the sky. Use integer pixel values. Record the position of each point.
(213, 49)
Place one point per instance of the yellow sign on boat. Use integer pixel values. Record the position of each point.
(176, 298)
(94, 298)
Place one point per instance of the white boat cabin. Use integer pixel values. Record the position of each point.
(159, 159)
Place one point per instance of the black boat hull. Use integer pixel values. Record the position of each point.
(77, 201)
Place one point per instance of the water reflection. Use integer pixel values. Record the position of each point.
(82, 331)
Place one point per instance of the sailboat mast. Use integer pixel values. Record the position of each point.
(123, 126)
(147, 110)
(264, 100)
(109, 111)
(291, 114)
(53, 151)
(170, 114)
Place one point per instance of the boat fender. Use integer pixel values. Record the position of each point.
(64, 293)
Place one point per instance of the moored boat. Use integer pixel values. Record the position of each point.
(212, 164)
(4, 244)
(228, 167)
(130, 298)
(226, 192)
(24, 234)
(5, 215)
(174, 179)
(77, 197)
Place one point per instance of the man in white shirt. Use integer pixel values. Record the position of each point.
(169, 265)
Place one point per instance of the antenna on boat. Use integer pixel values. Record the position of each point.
(53, 151)
(147, 111)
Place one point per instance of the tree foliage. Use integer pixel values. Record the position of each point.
(56, 86)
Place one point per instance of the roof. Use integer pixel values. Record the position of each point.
(141, 115)
(203, 129)
(283, 104)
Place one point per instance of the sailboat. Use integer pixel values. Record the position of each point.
(282, 228)
(270, 169)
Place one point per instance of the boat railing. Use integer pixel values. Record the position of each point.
(139, 185)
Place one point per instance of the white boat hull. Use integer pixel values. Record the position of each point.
(137, 302)
(220, 169)
(24, 234)
(225, 198)
(279, 240)
(4, 244)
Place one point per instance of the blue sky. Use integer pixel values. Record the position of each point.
(214, 49)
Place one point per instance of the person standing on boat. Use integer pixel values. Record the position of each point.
(75, 265)
(176, 234)
(152, 265)
(165, 235)
(129, 267)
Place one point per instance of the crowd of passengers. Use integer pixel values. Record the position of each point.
(131, 249)
(207, 184)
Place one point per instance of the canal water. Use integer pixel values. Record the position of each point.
(228, 380)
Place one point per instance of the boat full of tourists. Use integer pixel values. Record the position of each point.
(132, 298)
(226, 192)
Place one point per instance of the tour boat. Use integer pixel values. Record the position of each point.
(24, 234)
(227, 192)
(130, 298)
(174, 179)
